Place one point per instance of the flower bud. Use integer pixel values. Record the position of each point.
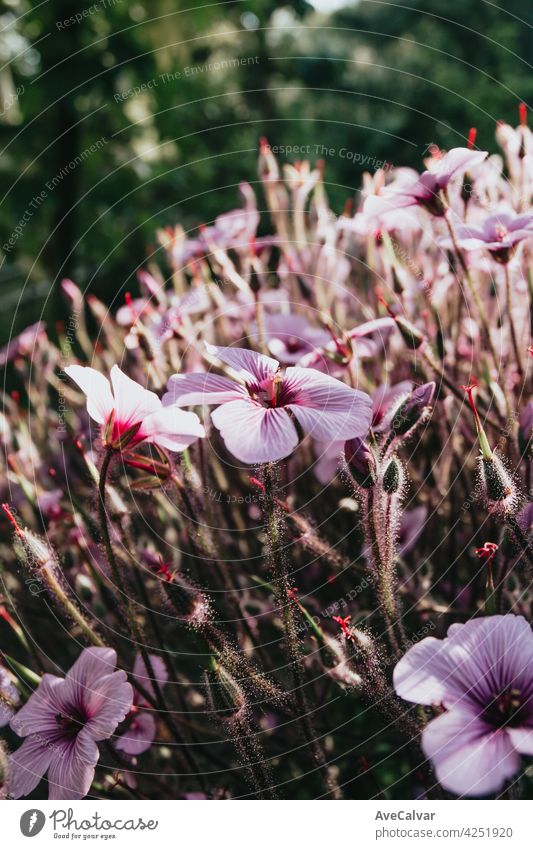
(412, 337)
(188, 601)
(225, 694)
(268, 166)
(360, 462)
(412, 410)
(393, 476)
(499, 488)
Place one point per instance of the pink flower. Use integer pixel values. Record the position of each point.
(63, 721)
(131, 414)
(255, 416)
(141, 732)
(289, 337)
(425, 191)
(482, 674)
(500, 234)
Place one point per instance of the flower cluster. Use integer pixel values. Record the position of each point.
(286, 483)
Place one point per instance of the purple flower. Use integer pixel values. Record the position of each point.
(425, 190)
(63, 721)
(141, 732)
(289, 337)
(482, 674)
(255, 416)
(500, 234)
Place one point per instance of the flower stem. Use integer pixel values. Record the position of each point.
(521, 538)
(514, 340)
(281, 582)
(386, 595)
(135, 628)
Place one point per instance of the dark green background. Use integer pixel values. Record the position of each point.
(380, 79)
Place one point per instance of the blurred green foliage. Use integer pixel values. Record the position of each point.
(136, 115)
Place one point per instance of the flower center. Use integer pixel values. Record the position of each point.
(71, 724)
(505, 709)
(500, 232)
(271, 392)
(293, 345)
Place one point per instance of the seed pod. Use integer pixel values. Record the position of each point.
(360, 462)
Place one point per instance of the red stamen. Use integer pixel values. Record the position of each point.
(164, 570)
(522, 114)
(15, 396)
(343, 625)
(487, 551)
(472, 133)
(469, 389)
(18, 530)
(128, 299)
(258, 484)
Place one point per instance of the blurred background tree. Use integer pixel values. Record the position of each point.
(142, 114)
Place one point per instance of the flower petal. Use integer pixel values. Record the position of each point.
(254, 434)
(96, 387)
(326, 408)
(28, 765)
(425, 674)
(132, 401)
(522, 739)
(457, 161)
(208, 388)
(139, 736)
(39, 712)
(470, 757)
(172, 428)
(71, 771)
(247, 364)
(107, 704)
(144, 677)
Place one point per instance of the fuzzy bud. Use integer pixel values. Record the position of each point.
(393, 476)
(413, 409)
(188, 601)
(498, 486)
(360, 462)
(225, 694)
